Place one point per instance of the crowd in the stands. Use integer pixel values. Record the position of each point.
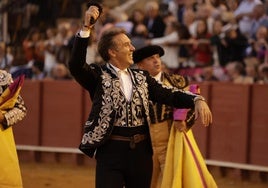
(205, 40)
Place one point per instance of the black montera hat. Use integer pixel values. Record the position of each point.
(147, 51)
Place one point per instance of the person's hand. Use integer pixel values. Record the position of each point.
(180, 125)
(91, 13)
(203, 112)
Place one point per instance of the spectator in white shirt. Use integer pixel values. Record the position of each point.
(171, 56)
(243, 15)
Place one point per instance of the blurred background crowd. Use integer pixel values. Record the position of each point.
(205, 40)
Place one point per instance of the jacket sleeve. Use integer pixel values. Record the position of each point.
(16, 114)
(86, 75)
(170, 96)
(181, 113)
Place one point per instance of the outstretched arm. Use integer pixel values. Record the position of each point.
(180, 115)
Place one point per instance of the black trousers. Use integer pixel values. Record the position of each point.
(118, 165)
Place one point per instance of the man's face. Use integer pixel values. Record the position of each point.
(123, 51)
(151, 64)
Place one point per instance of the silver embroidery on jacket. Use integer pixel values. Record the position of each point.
(143, 90)
(114, 100)
(109, 96)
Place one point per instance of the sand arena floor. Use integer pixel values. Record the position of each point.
(57, 175)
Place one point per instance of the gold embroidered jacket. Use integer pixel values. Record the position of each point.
(16, 114)
(161, 112)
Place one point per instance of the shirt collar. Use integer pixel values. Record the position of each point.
(117, 69)
(158, 76)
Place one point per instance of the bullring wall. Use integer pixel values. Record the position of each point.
(58, 109)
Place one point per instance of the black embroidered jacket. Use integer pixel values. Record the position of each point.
(103, 86)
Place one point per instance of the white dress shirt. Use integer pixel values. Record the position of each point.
(125, 81)
(158, 77)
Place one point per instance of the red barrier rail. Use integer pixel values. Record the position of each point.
(57, 111)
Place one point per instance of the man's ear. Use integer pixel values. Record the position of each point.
(111, 52)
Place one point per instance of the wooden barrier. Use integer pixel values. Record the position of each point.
(229, 133)
(61, 108)
(57, 111)
(28, 131)
(258, 138)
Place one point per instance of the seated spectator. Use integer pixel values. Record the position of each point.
(259, 46)
(232, 5)
(202, 50)
(153, 21)
(171, 56)
(189, 21)
(264, 75)
(50, 49)
(121, 19)
(207, 74)
(259, 19)
(215, 42)
(233, 44)
(203, 12)
(185, 47)
(237, 74)
(33, 46)
(243, 15)
(60, 72)
(6, 58)
(139, 36)
(252, 64)
(137, 18)
(38, 70)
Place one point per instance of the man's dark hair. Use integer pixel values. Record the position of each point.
(106, 41)
(39, 64)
